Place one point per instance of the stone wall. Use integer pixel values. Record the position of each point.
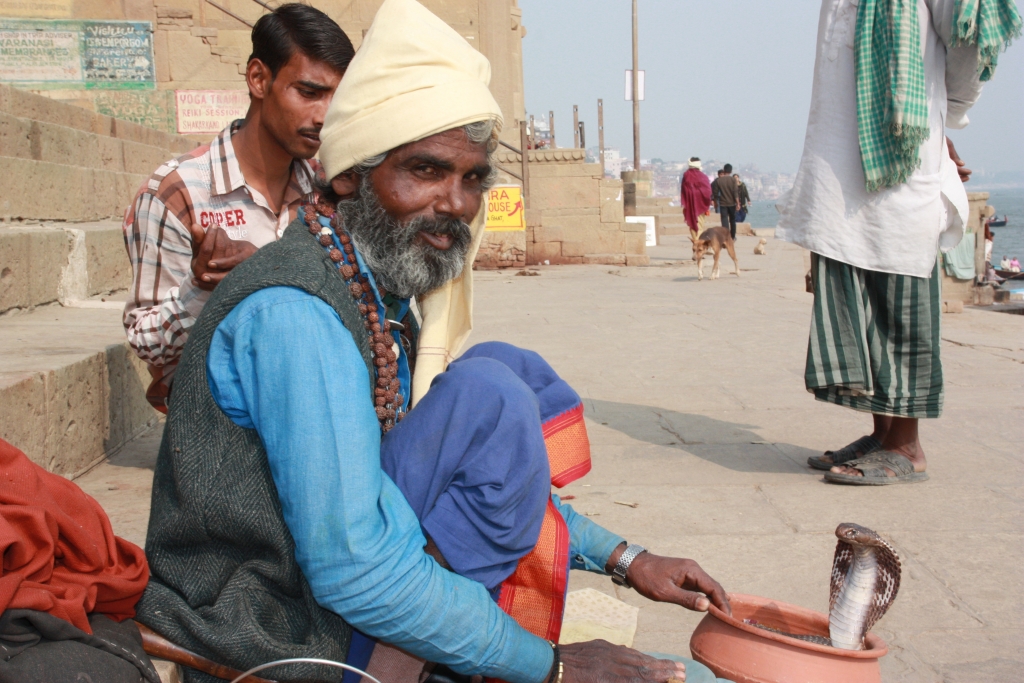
(61, 162)
(955, 289)
(196, 46)
(505, 249)
(575, 215)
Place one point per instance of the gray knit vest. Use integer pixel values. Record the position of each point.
(224, 581)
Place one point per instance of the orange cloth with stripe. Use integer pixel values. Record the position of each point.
(535, 593)
(60, 554)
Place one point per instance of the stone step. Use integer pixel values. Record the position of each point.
(62, 162)
(48, 262)
(71, 390)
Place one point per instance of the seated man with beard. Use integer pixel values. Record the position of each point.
(301, 507)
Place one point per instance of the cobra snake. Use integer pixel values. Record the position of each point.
(865, 580)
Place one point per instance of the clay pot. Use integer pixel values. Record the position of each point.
(746, 654)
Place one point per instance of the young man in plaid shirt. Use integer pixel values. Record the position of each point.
(201, 214)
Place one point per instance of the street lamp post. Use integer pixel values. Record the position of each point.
(636, 94)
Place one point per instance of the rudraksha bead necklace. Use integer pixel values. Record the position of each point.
(387, 396)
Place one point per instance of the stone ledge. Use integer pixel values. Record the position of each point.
(64, 262)
(71, 390)
(566, 155)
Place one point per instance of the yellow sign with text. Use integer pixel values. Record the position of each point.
(505, 210)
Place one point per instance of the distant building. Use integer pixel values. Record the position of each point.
(541, 133)
(615, 163)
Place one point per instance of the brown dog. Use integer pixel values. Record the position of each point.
(714, 238)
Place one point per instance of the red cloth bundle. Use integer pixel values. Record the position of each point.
(60, 554)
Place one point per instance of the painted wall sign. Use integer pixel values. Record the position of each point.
(43, 9)
(77, 54)
(152, 108)
(209, 111)
(505, 209)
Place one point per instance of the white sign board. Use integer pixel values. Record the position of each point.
(629, 84)
(40, 56)
(209, 111)
(652, 234)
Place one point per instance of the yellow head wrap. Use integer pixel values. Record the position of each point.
(413, 77)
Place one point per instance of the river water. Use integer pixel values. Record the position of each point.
(1008, 202)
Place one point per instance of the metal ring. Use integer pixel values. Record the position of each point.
(303, 660)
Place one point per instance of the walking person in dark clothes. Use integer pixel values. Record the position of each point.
(726, 192)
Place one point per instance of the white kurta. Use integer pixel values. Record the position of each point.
(829, 211)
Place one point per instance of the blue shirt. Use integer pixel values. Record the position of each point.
(283, 363)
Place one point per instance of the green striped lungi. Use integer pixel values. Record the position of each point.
(874, 342)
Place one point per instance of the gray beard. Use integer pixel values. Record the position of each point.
(400, 263)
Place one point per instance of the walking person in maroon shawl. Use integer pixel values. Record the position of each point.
(695, 197)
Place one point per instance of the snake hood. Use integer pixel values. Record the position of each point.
(865, 579)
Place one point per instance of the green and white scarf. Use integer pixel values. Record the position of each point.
(892, 104)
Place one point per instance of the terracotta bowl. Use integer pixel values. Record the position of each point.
(746, 654)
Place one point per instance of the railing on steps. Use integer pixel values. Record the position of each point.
(228, 12)
(231, 14)
(524, 153)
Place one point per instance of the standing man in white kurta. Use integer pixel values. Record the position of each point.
(878, 194)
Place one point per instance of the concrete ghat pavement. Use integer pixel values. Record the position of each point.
(697, 411)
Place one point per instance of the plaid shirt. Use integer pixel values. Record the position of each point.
(197, 191)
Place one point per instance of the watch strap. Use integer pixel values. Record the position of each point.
(626, 559)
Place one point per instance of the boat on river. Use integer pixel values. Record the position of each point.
(997, 222)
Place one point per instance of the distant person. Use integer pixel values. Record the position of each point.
(726, 197)
(714, 189)
(695, 196)
(742, 199)
(989, 240)
(1014, 265)
(878, 193)
(200, 215)
(1005, 263)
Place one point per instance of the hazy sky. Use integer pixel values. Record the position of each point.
(728, 79)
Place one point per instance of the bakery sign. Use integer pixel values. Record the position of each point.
(209, 111)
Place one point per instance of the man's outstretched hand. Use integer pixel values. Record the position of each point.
(961, 167)
(671, 579)
(598, 661)
(215, 254)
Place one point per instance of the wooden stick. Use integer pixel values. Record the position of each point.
(156, 645)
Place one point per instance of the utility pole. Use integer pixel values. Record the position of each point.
(576, 126)
(551, 128)
(636, 93)
(600, 133)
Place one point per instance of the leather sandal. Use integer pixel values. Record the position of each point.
(873, 468)
(865, 445)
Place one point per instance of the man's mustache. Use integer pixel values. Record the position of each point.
(438, 226)
(312, 131)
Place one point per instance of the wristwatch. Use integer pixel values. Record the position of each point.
(622, 566)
